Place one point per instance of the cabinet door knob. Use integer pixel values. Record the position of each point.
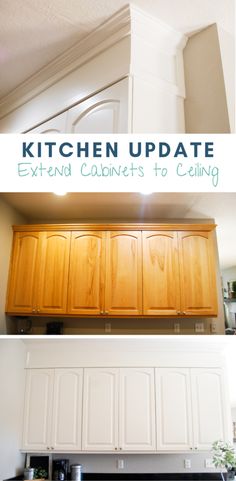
(178, 312)
(34, 310)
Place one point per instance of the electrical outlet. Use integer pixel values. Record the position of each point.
(120, 464)
(108, 327)
(213, 327)
(187, 463)
(199, 327)
(209, 463)
(177, 327)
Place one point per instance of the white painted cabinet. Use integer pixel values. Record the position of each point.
(209, 416)
(38, 409)
(105, 112)
(53, 406)
(173, 408)
(191, 408)
(137, 409)
(119, 410)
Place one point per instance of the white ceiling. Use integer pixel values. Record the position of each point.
(38, 207)
(33, 32)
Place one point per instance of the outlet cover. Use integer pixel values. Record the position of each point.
(177, 327)
(120, 464)
(199, 327)
(209, 463)
(187, 463)
(108, 327)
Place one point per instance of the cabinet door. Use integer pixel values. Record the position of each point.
(54, 269)
(209, 407)
(161, 287)
(123, 285)
(100, 410)
(67, 410)
(197, 271)
(105, 112)
(38, 408)
(86, 278)
(57, 125)
(23, 272)
(173, 409)
(137, 410)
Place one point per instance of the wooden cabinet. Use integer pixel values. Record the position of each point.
(179, 275)
(113, 420)
(113, 270)
(197, 273)
(53, 405)
(191, 408)
(123, 291)
(161, 285)
(39, 273)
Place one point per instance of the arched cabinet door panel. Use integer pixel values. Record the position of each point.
(197, 273)
(23, 274)
(57, 125)
(86, 279)
(103, 113)
(161, 285)
(123, 285)
(54, 269)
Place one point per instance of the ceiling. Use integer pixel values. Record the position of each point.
(77, 207)
(33, 33)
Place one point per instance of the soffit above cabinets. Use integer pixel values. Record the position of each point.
(134, 207)
(33, 33)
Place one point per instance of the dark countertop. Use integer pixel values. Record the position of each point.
(144, 477)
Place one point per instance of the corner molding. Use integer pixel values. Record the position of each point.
(103, 37)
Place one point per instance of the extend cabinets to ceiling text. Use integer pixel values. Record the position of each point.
(53, 405)
(191, 408)
(116, 272)
(39, 273)
(113, 419)
(104, 112)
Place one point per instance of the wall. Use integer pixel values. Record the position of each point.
(12, 381)
(206, 108)
(229, 275)
(8, 217)
(227, 48)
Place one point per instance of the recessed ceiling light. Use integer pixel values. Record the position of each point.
(59, 192)
(146, 191)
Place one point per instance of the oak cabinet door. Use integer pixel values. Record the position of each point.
(173, 409)
(38, 409)
(23, 273)
(103, 113)
(137, 409)
(209, 408)
(100, 413)
(67, 410)
(86, 278)
(123, 284)
(197, 272)
(54, 269)
(161, 283)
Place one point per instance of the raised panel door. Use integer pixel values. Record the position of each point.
(67, 410)
(54, 271)
(100, 410)
(137, 409)
(38, 408)
(105, 112)
(23, 273)
(197, 271)
(209, 408)
(161, 285)
(57, 125)
(173, 409)
(123, 285)
(86, 278)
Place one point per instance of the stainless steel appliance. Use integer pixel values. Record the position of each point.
(76, 472)
(60, 469)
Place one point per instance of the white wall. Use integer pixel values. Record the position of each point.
(12, 382)
(230, 275)
(8, 217)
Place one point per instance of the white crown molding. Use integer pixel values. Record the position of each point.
(106, 35)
